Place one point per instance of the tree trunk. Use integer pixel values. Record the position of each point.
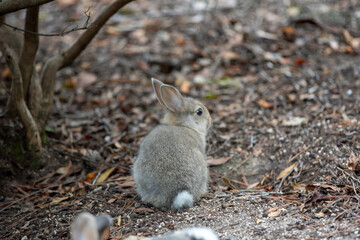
(32, 133)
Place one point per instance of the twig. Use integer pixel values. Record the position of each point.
(222, 145)
(241, 194)
(285, 177)
(298, 154)
(255, 194)
(20, 199)
(120, 227)
(353, 185)
(62, 33)
(317, 22)
(249, 191)
(342, 170)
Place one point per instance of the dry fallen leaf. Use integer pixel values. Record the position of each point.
(299, 61)
(273, 209)
(90, 177)
(111, 30)
(58, 200)
(180, 41)
(320, 214)
(143, 210)
(118, 145)
(64, 170)
(218, 161)
(256, 151)
(299, 187)
(314, 198)
(289, 33)
(228, 183)
(353, 42)
(286, 171)
(105, 175)
(185, 87)
(334, 188)
(119, 221)
(291, 97)
(251, 186)
(85, 79)
(294, 121)
(274, 214)
(229, 55)
(85, 65)
(69, 83)
(265, 104)
(140, 36)
(310, 187)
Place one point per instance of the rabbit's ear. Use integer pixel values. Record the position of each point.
(172, 98)
(157, 85)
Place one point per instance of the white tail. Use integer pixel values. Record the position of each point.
(182, 200)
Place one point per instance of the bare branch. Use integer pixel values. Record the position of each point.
(32, 133)
(31, 43)
(74, 51)
(8, 6)
(67, 57)
(62, 33)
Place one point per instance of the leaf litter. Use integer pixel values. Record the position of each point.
(285, 142)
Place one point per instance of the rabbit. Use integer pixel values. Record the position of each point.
(88, 227)
(171, 170)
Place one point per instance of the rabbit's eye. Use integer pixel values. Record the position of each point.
(199, 112)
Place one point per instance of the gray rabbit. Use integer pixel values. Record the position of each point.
(171, 170)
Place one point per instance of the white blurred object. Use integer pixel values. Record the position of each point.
(196, 233)
(88, 227)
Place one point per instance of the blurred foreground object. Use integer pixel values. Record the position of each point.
(196, 233)
(88, 227)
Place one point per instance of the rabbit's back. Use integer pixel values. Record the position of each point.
(171, 159)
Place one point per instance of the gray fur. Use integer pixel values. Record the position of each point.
(172, 156)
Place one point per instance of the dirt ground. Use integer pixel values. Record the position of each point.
(281, 80)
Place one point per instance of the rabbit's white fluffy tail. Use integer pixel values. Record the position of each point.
(182, 200)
